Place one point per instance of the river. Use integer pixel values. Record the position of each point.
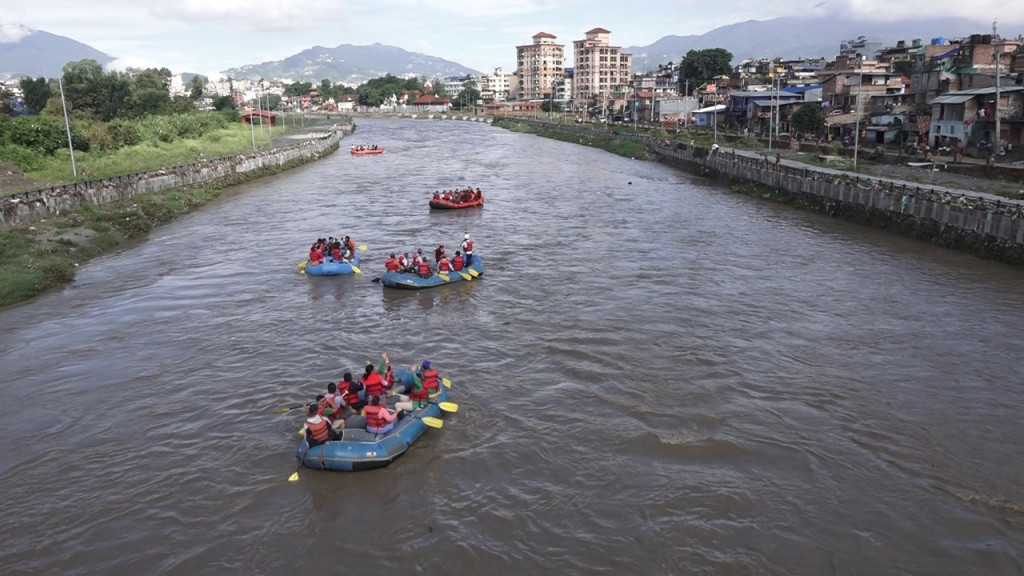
(655, 375)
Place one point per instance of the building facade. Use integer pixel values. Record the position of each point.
(539, 66)
(602, 72)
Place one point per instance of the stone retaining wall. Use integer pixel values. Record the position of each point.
(29, 206)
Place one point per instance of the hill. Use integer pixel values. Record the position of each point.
(795, 37)
(34, 53)
(351, 65)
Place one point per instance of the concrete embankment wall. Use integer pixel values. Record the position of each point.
(29, 206)
(986, 227)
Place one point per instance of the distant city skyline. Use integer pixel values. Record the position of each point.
(208, 37)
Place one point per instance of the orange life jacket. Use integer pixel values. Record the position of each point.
(424, 268)
(319, 429)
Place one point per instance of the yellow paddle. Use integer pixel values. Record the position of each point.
(473, 272)
(430, 421)
(302, 266)
(466, 277)
(447, 406)
(447, 383)
(444, 277)
(355, 268)
(362, 247)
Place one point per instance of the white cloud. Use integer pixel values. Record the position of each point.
(11, 33)
(253, 15)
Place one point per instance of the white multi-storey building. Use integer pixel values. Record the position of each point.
(539, 66)
(601, 71)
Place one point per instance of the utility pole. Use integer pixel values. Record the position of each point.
(771, 114)
(67, 125)
(856, 120)
(999, 140)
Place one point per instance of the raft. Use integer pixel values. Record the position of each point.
(331, 267)
(366, 151)
(413, 281)
(361, 450)
(440, 204)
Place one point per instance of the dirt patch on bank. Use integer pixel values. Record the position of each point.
(13, 180)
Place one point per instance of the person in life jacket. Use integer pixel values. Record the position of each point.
(457, 262)
(418, 393)
(423, 268)
(467, 250)
(391, 264)
(315, 255)
(351, 392)
(429, 377)
(438, 253)
(373, 383)
(379, 420)
(403, 263)
(335, 402)
(318, 429)
(444, 265)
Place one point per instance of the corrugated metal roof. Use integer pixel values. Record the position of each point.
(952, 99)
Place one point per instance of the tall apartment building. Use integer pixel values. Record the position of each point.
(539, 65)
(600, 70)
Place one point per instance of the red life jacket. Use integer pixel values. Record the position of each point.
(391, 265)
(424, 268)
(319, 429)
(430, 381)
(444, 265)
(457, 262)
(334, 401)
(374, 416)
(418, 395)
(336, 254)
(469, 247)
(374, 385)
(315, 257)
(351, 397)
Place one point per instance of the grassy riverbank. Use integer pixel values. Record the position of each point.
(45, 253)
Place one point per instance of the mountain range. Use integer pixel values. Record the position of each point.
(34, 53)
(27, 52)
(799, 37)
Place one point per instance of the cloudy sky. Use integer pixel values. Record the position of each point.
(207, 36)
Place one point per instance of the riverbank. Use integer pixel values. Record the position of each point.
(42, 250)
(983, 223)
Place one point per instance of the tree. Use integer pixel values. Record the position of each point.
(36, 93)
(809, 119)
(468, 96)
(6, 102)
(701, 66)
(84, 86)
(196, 86)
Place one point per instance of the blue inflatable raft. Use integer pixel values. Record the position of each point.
(413, 281)
(361, 450)
(331, 267)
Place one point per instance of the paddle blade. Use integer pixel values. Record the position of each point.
(356, 269)
(294, 477)
(444, 277)
(447, 383)
(284, 409)
(432, 422)
(466, 277)
(449, 406)
(362, 247)
(474, 272)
